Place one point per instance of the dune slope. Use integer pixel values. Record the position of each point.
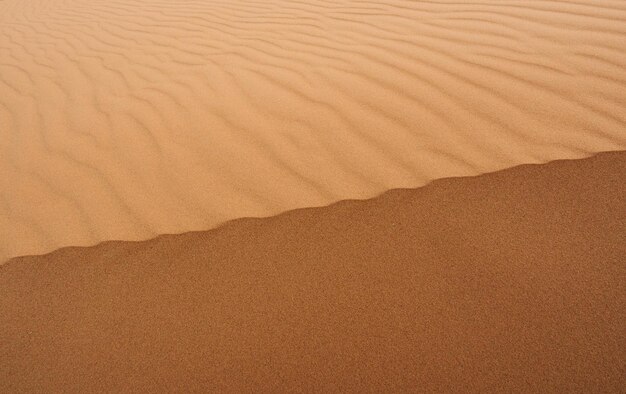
(509, 282)
(124, 119)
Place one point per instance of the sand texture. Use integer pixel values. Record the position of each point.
(128, 119)
(506, 282)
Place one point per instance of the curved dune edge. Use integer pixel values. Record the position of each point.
(124, 119)
(509, 281)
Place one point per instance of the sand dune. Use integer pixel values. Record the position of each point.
(505, 282)
(128, 119)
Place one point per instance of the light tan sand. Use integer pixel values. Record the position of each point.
(124, 119)
(507, 282)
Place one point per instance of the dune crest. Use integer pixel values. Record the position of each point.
(128, 119)
(506, 282)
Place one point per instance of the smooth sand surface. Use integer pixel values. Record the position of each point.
(506, 282)
(124, 119)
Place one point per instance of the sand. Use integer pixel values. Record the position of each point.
(122, 120)
(460, 252)
(506, 282)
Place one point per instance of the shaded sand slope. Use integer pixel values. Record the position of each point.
(127, 119)
(511, 281)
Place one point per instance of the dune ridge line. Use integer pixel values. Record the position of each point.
(506, 282)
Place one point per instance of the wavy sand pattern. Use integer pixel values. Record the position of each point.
(127, 119)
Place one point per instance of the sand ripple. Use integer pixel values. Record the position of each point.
(127, 119)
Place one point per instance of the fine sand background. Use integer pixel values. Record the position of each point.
(128, 119)
(506, 282)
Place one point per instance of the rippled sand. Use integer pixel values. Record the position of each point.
(128, 119)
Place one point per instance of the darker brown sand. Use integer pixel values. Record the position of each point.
(511, 281)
